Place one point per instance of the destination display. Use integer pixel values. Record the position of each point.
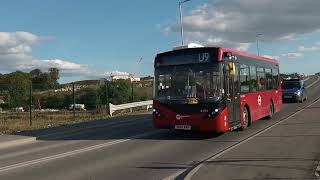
(191, 58)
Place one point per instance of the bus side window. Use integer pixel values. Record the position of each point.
(261, 78)
(253, 79)
(269, 83)
(275, 78)
(244, 78)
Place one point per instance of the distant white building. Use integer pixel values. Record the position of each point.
(116, 76)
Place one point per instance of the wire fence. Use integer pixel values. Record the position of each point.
(30, 105)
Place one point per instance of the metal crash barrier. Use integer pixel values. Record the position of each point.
(113, 108)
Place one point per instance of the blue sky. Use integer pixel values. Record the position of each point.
(88, 38)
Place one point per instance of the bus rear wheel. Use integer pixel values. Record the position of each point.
(245, 117)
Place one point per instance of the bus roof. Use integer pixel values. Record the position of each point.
(241, 53)
(222, 50)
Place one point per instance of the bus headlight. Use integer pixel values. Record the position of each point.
(297, 93)
(213, 113)
(156, 112)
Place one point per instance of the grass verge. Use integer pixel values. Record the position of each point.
(11, 123)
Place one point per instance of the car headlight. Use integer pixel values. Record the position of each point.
(298, 93)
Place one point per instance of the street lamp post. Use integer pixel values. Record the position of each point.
(257, 40)
(181, 21)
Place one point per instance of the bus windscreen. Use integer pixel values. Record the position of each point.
(182, 82)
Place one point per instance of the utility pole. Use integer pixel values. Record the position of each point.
(181, 20)
(257, 40)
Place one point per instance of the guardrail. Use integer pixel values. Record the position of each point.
(113, 108)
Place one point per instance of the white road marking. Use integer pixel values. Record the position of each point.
(67, 133)
(314, 82)
(196, 168)
(12, 143)
(74, 152)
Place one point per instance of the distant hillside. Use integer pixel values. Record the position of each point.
(145, 81)
(83, 82)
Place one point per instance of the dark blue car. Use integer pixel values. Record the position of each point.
(294, 90)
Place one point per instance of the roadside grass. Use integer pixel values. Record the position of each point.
(12, 122)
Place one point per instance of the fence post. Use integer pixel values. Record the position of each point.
(132, 91)
(107, 98)
(30, 105)
(74, 101)
(131, 94)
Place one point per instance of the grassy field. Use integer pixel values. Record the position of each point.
(14, 122)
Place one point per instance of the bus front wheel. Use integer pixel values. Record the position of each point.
(245, 117)
(271, 110)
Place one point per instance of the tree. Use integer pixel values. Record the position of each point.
(119, 91)
(54, 74)
(90, 97)
(18, 86)
(54, 101)
(45, 80)
(35, 73)
(53, 77)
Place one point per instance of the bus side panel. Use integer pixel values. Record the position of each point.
(259, 103)
(278, 99)
(251, 101)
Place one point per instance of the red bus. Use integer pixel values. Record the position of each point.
(214, 89)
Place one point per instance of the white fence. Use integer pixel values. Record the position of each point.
(113, 108)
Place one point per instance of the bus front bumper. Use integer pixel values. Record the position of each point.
(194, 122)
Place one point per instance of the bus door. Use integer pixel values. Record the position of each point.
(232, 92)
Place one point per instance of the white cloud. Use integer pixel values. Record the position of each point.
(292, 55)
(16, 43)
(302, 50)
(234, 23)
(16, 54)
(272, 57)
(314, 48)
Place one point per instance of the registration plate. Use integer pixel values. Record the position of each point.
(182, 127)
(287, 96)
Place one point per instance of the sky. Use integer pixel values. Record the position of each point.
(91, 39)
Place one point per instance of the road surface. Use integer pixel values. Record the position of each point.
(132, 149)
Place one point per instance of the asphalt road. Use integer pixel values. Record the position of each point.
(132, 149)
